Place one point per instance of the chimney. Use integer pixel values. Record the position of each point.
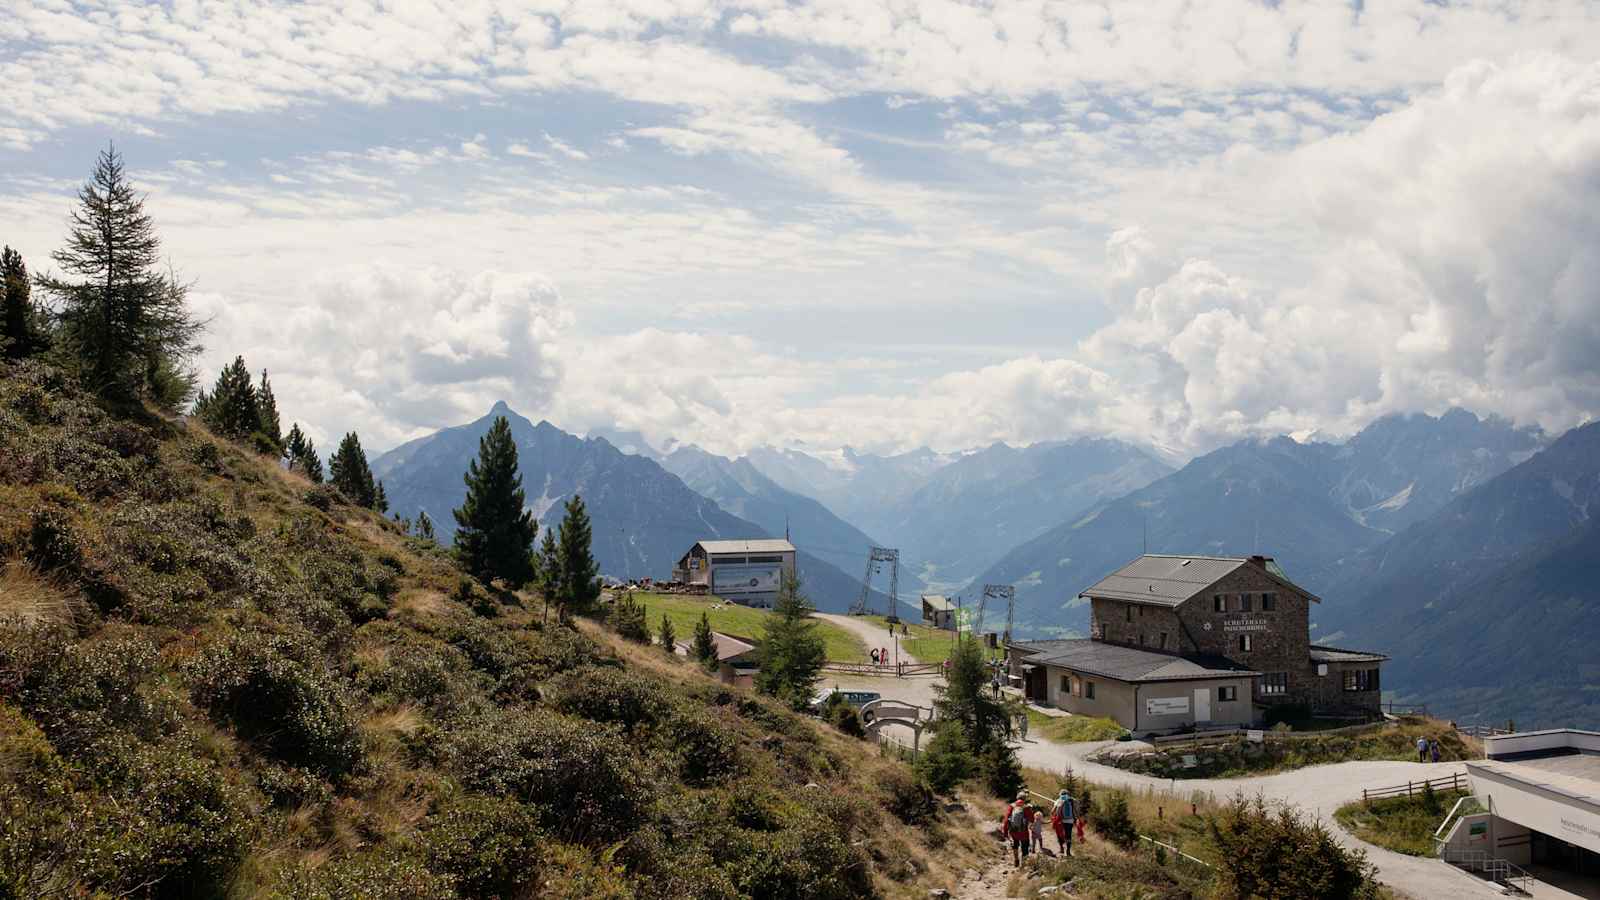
(1259, 561)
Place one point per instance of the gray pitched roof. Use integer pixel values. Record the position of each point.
(1132, 664)
(1164, 580)
(938, 601)
(763, 545)
(1333, 654)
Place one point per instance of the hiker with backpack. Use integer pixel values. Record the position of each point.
(1014, 822)
(1061, 821)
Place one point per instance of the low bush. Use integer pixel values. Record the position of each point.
(907, 797)
(377, 875)
(1110, 819)
(611, 695)
(705, 750)
(488, 846)
(81, 692)
(276, 696)
(1276, 854)
(843, 716)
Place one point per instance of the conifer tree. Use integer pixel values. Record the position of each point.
(549, 572)
(311, 462)
(494, 531)
(232, 409)
(962, 697)
(294, 444)
(705, 643)
(351, 474)
(580, 585)
(380, 499)
(267, 414)
(425, 526)
(125, 322)
(667, 637)
(793, 653)
(20, 330)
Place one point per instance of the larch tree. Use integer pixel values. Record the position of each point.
(425, 526)
(494, 530)
(349, 472)
(580, 574)
(793, 652)
(20, 330)
(124, 321)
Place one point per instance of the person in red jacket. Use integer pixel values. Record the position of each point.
(1014, 823)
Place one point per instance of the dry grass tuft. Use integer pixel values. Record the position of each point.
(424, 602)
(29, 597)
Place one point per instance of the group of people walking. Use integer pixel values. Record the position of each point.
(1427, 750)
(1023, 825)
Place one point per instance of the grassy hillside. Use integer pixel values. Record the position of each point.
(219, 681)
(738, 621)
(925, 643)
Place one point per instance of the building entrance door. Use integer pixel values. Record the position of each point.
(1202, 704)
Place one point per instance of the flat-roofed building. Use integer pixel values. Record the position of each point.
(749, 572)
(1541, 793)
(938, 611)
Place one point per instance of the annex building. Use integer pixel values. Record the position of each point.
(1197, 641)
(1541, 793)
(748, 572)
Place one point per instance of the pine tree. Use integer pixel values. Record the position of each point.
(380, 499)
(351, 474)
(793, 653)
(962, 698)
(705, 643)
(311, 462)
(294, 444)
(19, 327)
(579, 585)
(232, 409)
(549, 570)
(267, 414)
(425, 526)
(494, 530)
(666, 636)
(125, 322)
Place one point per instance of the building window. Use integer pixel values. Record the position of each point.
(1130, 612)
(1141, 612)
(1269, 602)
(1361, 679)
(1219, 602)
(1244, 603)
(1224, 694)
(1163, 643)
(1273, 683)
(1066, 685)
(1141, 639)
(1088, 690)
(1244, 643)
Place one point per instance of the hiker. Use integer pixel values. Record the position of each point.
(1036, 829)
(874, 655)
(1061, 816)
(1022, 726)
(1014, 822)
(1422, 749)
(1433, 749)
(883, 654)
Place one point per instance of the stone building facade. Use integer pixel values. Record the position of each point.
(1241, 609)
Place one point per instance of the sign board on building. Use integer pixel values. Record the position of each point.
(964, 619)
(1190, 761)
(746, 579)
(1255, 735)
(1167, 706)
(1245, 625)
(694, 564)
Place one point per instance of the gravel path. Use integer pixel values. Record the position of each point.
(870, 633)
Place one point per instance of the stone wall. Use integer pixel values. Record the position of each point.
(1136, 625)
(1327, 691)
(1280, 640)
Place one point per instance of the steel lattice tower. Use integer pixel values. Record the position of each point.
(999, 592)
(875, 556)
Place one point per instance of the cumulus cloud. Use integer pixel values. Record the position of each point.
(392, 351)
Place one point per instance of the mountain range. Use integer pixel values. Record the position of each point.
(644, 518)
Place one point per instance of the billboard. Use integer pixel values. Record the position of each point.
(747, 579)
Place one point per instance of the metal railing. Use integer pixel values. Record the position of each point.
(1404, 709)
(1500, 871)
(1455, 782)
(1479, 730)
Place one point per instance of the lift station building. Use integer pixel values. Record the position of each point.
(748, 572)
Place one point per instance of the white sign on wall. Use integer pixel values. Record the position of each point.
(1167, 706)
(745, 579)
(1245, 625)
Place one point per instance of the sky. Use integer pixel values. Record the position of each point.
(876, 224)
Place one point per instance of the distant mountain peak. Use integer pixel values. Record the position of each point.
(500, 407)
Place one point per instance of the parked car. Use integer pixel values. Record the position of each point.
(856, 699)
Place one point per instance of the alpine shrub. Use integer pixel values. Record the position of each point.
(1111, 820)
(489, 846)
(1275, 854)
(948, 759)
